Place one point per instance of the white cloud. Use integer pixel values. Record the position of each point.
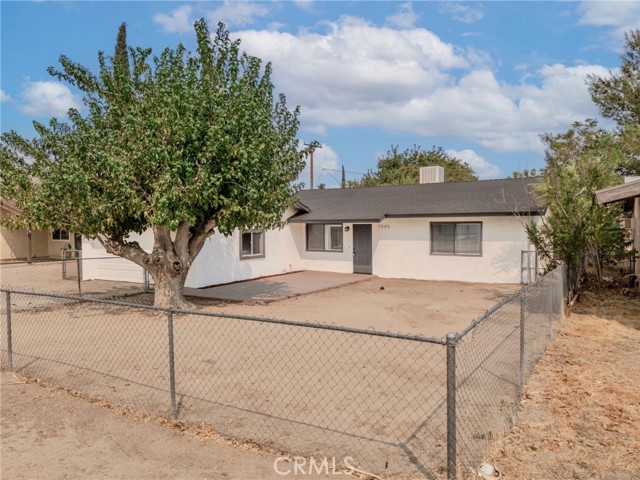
(237, 12)
(620, 16)
(483, 168)
(47, 99)
(405, 17)
(4, 97)
(306, 5)
(323, 158)
(464, 13)
(359, 75)
(354, 61)
(178, 21)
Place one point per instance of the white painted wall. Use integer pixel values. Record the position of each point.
(97, 264)
(218, 262)
(403, 250)
(341, 262)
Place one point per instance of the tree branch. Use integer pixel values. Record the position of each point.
(129, 250)
(197, 241)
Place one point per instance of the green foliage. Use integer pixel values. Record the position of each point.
(577, 229)
(403, 168)
(524, 173)
(176, 142)
(618, 97)
(201, 139)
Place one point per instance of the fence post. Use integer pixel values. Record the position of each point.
(523, 302)
(172, 372)
(452, 461)
(79, 268)
(145, 281)
(9, 337)
(552, 288)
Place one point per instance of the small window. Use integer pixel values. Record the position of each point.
(463, 238)
(324, 237)
(252, 244)
(60, 234)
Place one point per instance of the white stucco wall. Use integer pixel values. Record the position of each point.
(402, 249)
(97, 264)
(341, 262)
(218, 262)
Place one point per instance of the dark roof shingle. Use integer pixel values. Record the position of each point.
(485, 197)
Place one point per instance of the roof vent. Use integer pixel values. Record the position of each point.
(432, 174)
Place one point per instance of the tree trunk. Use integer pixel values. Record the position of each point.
(169, 261)
(169, 288)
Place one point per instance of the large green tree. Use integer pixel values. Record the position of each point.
(576, 230)
(618, 97)
(403, 167)
(183, 144)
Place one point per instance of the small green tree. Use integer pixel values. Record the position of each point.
(576, 229)
(618, 97)
(403, 168)
(182, 144)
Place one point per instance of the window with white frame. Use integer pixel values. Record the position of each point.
(60, 235)
(456, 238)
(324, 237)
(252, 244)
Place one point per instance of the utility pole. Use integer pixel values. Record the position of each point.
(313, 145)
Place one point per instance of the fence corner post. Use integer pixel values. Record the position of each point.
(172, 371)
(552, 306)
(9, 336)
(523, 304)
(452, 461)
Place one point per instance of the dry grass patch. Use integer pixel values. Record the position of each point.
(581, 407)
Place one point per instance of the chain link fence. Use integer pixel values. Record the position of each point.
(103, 277)
(396, 404)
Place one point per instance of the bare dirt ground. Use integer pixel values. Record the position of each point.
(432, 309)
(580, 417)
(312, 390)
(48, 433)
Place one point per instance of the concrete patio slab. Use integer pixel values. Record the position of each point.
(269, 289)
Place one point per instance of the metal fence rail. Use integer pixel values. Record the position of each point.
(105, 277)
(397, 404)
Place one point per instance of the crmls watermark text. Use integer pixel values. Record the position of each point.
(313, 466)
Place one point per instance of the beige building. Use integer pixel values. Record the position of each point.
(18, 244)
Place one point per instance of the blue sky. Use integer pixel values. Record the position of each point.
(481, 79)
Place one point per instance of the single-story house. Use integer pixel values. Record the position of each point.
(629, 194)
(34, 244)
(463, 231)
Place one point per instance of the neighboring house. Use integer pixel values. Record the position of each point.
(629, 194)
(24, 245)
(463, 231)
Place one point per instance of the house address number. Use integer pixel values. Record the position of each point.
(386, 227)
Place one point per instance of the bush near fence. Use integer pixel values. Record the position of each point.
(397, 404)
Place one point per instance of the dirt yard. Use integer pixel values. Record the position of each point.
(581, 408)
(432, 309)
(48, 433)
(281, 386)
(579, 419)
